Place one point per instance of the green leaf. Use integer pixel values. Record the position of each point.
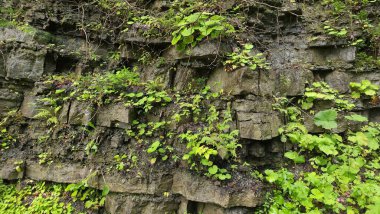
(326, 119)
(176, 39)
(357, 118)
(105, 191)
(213, 170)
(153, 147)
(295, 157)
(187, 32)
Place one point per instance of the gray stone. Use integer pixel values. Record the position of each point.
(60, 172)
(241, 81)
(291, 82)
(29, 107)
(200, 189)
(114, 115)
(81, 113)
(338, 80)
(25, 65)
(8, 170)
(183, 77)
(322, 56)
(12, 34)
(132, 36)
(156, 184)
(258, 126)
(140, 204)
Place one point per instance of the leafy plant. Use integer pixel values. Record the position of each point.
(365, 87)
(326, 119)
(93, 198)
(6, 139)
(241, 58)
(322, 91)
(193, 28)
(342, 173)
(209, 142)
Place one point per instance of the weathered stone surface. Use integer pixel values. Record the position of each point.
(183, 76)
(12, 34)
(196, 188)
(147, 185)
(331, 54)
(114, 115)
(9, 99)
(25, 65)
(132, 36)
(258, 126)
(80, 113)
(31, 35)
(292, 82)
(140, 204)
(8, 170)
(60, 173)
(338, 80)
(241, 81)
(29, 106)
(253, 104)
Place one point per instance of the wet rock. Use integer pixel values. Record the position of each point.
(25, 65)
(114, 115)
(258, 126)
(200, 189)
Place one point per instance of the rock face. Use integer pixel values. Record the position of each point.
(54, 43)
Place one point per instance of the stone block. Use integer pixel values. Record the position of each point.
(292, 82)
(200, 189)
(60, 173)
(29, 106)
(25, 65)
(114, 115)
(321, 56)
(339, 81)
(8, 170)
(241, 81)
(140, 204)
(258, 126)
(80, 113)
(253, 104)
